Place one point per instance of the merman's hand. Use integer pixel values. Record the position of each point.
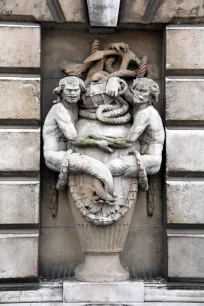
(121, 46)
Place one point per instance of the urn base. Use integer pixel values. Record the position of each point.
(101, 268)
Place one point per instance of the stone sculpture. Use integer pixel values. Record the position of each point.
(104, 149)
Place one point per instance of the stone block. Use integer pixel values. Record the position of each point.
(18, 254)
(75, 11)
(20, 98)
(185, 201)
(19, 202)
(189, 41)
(184, 150)
(103, 13)
(121, 292)
(165, 11)
(180, 11)
(184, 98)
(20, 45)
(19, 150)
(185, 253)
(26, 10)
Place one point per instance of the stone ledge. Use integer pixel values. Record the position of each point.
(47, 292)
(160, 293)
(51, 292)
(99, 304)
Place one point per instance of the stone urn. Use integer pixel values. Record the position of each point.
(102, 229)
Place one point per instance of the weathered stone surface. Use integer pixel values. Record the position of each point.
(184, 150)
(20, 45)
(185, 202)
(143, 251)
(174, 11)
(60, 246)
(117, 292)
(132, 11)
(160, 293)
(25, 10)
(184, 98)
(75, 10)
(189, 41)
(166, 11)
(20, 98)
(47, 292)
(19, 149)
(103, 13)
(18, 254)
(19, 202)
(185, 253)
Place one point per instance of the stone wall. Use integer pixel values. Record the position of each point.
(184, 151)
(19, 149)
(20, 134)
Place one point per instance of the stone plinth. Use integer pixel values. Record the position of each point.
(117, 292)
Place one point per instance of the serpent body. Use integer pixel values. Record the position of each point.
(75, 163)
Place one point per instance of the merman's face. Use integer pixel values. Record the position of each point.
(71, 93)
(141, 93)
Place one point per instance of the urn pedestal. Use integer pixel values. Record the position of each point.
(102, 246)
